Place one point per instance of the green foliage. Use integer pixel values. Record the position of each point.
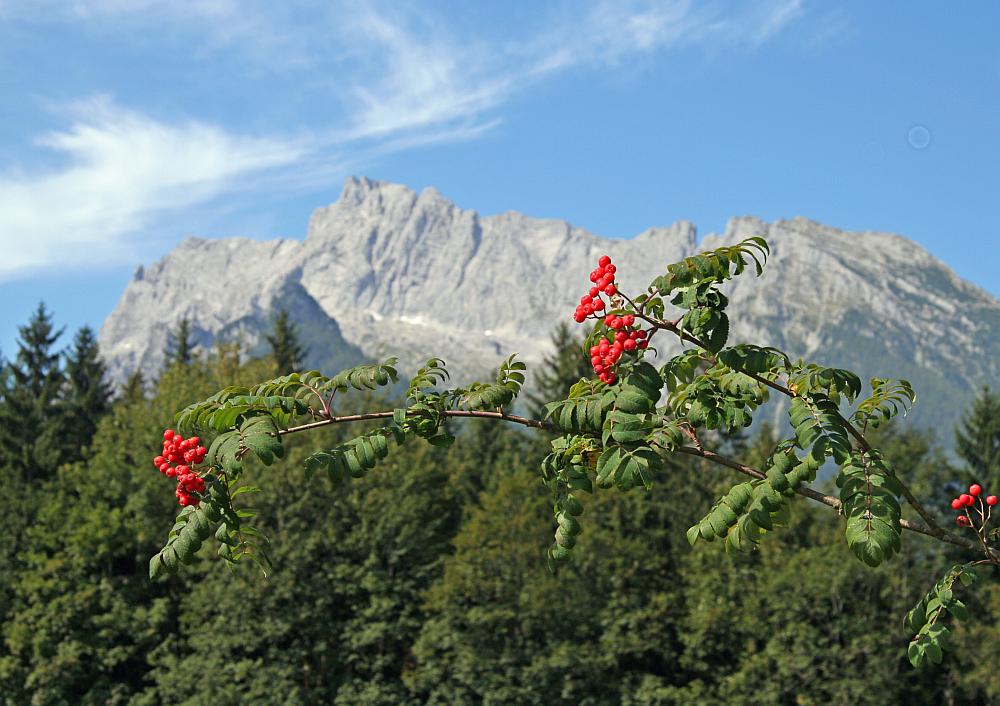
(715, 266)
(888, 399)
(283, 398)
(718, 398)
(510, 377)
(749, 510)
(692, 283)
(819, 428)
(931, 637)
(868, 497)
(357, 456)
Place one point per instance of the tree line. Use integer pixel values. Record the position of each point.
(426, 581)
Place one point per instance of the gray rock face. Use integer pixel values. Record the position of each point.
(397, 272)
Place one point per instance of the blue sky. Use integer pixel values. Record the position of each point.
(128, 125)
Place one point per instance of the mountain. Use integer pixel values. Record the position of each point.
(386, 270)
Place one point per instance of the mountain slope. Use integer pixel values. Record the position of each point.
(386, 270)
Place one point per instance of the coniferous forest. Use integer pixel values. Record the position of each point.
(426, 581)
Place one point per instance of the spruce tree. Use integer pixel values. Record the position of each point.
(286, 349)
(977, 440)
(88, 393)
(180, 345)
(134, 389)
(559, 370)
(30, 412)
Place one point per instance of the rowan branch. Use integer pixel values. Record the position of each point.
(830, 501)
(933, 528)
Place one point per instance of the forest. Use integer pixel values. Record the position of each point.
(427, 581)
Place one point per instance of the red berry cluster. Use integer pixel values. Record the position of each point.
(973, 499)
(624, 339)
(184, 453)
(604, 283)
(621, 337)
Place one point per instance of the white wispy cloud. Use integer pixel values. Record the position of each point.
(398, 75)
(119, 169)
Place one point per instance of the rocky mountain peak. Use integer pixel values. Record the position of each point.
(385, 270)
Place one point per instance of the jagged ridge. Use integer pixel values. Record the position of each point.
(394, 271)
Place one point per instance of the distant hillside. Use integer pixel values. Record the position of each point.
(386, 270)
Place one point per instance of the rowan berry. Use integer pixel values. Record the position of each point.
(975, 489)
(991, 500)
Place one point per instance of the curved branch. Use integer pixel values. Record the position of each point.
(828, 500)
(501, 416)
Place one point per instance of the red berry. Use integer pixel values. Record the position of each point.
(158, 461)
(629, 319)
(604, 261)
(640, 334)
(617, 324)
(605, 281)
(164, 467)
(975, 489)
(168, 434)
(957, 504)
(594, 291)
(620, 336)
(599, 369)
(642, 343)
(611, 378)
(579, 317)
(595, 360)
(629, 345)
(596, 275)
(598, 304)
(611, 290)
(962, 521)
(991, 499)
(608, 319)
(610, 269)
(966, 499)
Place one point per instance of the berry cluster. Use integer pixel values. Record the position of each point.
(973, 499)
(621, 336)
(624, 339)
(604, 283)
(184, 453)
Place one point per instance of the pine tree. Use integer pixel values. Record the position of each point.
(977, 440)
(286, 349)
(88, 394)
(134, 389)
(29, 414)
(559, 370)
(180, 345)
